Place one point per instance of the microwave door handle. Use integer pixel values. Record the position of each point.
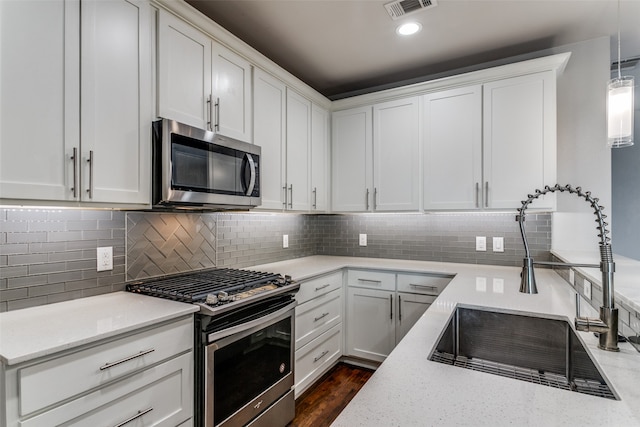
(252, 180)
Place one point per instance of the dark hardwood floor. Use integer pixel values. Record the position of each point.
(322, 403)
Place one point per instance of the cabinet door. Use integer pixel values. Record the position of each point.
(396, 148)
(184, 72)
(352, 157)
(452, 143)
(298, 148)
(370, 323)
(116, 111)
(40, 100)
(231, 85)
(319, 157)
(410, 308)
(519, 139)
(269, 98)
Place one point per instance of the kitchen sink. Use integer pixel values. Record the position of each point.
(542, 350)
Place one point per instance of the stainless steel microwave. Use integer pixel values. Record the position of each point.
(198, 169)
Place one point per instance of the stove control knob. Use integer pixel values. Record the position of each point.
(211, 299)
(223, 296)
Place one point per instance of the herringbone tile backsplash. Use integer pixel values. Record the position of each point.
(165, 243)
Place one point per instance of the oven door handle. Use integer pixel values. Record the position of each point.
(259, 322)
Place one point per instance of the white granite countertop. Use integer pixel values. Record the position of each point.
(410, 390)
(39, 331)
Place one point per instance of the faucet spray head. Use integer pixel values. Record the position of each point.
(528, 278)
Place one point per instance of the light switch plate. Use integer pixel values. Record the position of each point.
(498, 244)
(481, 243)
(285, 241)
(104, 258)
(362, 240)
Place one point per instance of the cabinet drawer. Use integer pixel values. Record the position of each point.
(55, 380)
(158, 396)
(315, 358)
(319, 286)
(372, 279)
(430, 284)
(317, 316)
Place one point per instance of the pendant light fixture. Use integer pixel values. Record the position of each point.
(620, 105)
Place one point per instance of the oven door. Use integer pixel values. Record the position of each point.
(249, 366)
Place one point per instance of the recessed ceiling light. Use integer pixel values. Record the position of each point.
(408, 28)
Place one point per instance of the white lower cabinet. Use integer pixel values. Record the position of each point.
(318, 328)
(145, 376)
(381, 307)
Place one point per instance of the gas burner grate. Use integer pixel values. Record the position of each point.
(194, 287)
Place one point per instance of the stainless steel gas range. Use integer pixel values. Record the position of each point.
(244, 343)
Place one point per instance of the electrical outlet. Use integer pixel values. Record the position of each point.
(572, 277)
(498, 244)
(481, 243)
(285, 241)
(587, 289)
(362, 240)
(104, 258)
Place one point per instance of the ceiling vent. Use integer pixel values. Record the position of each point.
(400, 8)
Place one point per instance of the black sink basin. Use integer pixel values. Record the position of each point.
(542, 350)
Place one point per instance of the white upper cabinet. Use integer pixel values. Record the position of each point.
(376, 157)
(231, 86)
(39, 105)
(396, 148)
(116, 110)
(269, 110)
(298, 152)
(184, 72)
(452, 135)
(91, 102)
(319, 158)
(351, 159)
(200, 82)
(488, 146)
(519, 118)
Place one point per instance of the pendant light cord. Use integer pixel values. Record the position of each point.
(619, 72)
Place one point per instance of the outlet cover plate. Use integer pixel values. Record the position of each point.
(481, 243)
(104, 258)
(362, 239)
(285, 241)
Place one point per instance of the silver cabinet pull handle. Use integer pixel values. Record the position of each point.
(399, 309)
(74, 158)
(209, 113)
(126, 359)
(370, 281)
(217, 124)
(135, 417)
(323, 354)
(286, 195)
(391, 307)
(315, 198)
(486, 194)
(477, 194)
(90, 161)
(366, 200)
(291, 199)
(322, 316)
(415, 285)
(375, 198)
(319, 288)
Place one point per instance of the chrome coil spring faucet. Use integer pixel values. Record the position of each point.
(607, 324)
